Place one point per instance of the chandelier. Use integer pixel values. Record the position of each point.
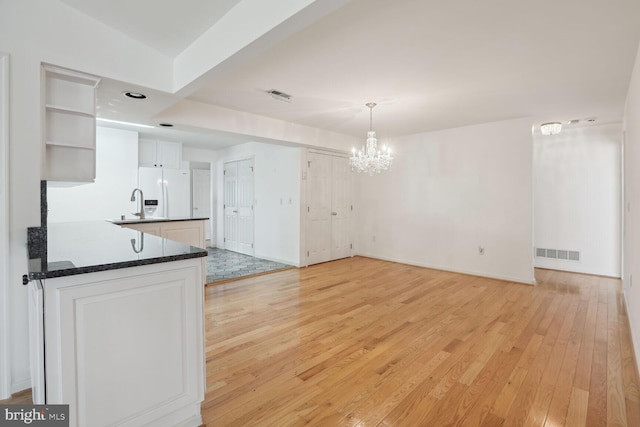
(551, 128)
(369, 158)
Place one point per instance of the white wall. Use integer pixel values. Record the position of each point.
(631, 233)
(31, 32)
(577, 198)
(110, 195)
(277, 199)
(448, 193)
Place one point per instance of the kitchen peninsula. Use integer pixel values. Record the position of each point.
(120, 314)
(189, 230)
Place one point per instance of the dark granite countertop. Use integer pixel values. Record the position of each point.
(67, 249)
(120, 221)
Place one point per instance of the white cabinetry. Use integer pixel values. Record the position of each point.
(188, 232)
(126, 347)
(159, 154)
(68, 125)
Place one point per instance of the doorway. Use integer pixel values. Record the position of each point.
(201, 198)
(238, 206)
(329, 208)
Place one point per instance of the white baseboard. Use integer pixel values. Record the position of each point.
(281, 261)
(530, 281)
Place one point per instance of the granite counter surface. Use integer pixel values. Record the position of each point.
(126, 221)
(66, 249)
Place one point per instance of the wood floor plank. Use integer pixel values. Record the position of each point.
(578, 407)
(562, 394)
(544, 393)
(583, 370)
(597, 412)
(616, 406)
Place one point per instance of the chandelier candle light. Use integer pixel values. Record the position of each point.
(369, 159)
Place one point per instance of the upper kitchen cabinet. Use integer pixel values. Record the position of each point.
(159, 154)
(69, 125)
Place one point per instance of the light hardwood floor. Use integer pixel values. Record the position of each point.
(363, 342)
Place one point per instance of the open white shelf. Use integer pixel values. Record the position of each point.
(69, 125)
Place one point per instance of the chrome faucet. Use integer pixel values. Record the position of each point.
(133, 199)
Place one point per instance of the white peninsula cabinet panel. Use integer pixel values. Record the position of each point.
(126, 347)
(68, 125)
(190, 232)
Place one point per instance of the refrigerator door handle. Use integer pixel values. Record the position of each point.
(166, 198)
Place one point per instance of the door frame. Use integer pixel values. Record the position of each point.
(5, 366)
(209, 222)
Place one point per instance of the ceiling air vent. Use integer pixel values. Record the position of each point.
(280, 96)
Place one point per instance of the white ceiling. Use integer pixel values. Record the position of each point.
(166, 26)
(429, 64)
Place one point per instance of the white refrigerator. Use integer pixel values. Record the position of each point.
(170, 187)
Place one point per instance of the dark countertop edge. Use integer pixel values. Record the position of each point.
(113, 266)
(151, 220)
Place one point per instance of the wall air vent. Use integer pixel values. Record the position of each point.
(280, 96)
(562, 254)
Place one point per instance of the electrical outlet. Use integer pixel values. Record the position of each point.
(480, 250)
(373, 238)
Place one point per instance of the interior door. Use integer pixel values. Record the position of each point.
(318, 208)
(231, 206)
(340, 208)
(245, 207)
(238, 206)
(201, 197)
(329, 208)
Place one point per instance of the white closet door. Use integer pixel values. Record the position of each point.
(329, 208)
(231, 206)
(245, 207)
(238, 206)
(319, 208)
(340, 208)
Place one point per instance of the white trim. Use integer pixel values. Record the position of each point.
(452, 270)
(5, 366)
(287, 262)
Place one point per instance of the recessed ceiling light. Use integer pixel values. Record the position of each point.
(135, 95)
(166, 125)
